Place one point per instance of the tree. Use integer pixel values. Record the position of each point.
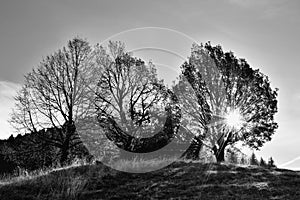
(241, 101)
(191, 92)
(271, 163)
(132, 103)
(243, 160)
(253, 159)
(262, 162)
(56, 95)
(7, 165)
(31, 152)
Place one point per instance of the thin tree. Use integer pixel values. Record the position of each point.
(271, 163)
(253, 159)
(262, 162)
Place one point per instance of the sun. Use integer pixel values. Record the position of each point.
(234, 119)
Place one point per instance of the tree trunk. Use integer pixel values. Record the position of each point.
(194, 149)
(219, 149)
(219, 153)
(69, 130)
(64, 156)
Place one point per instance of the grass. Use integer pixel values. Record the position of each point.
(179, 180)
(57, 183)
(141, 165)
(23, 174)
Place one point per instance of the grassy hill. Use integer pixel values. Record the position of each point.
(180, 180)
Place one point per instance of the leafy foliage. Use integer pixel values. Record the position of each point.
(230, 84)
(262, 162)
(30, 152)
(271, 162)
(232, 157)
(253, 159)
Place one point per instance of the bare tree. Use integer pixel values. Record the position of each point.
(56, 95)
(132, 102)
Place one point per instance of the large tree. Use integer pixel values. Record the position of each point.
(196, 114)
(135, 110)
(241, 101)
(57, 94)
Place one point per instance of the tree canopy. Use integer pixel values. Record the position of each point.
(135, 110)
(241, 101)
(55, 95)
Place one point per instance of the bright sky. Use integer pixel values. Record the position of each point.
(265, 32)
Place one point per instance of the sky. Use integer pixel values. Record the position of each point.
(264, 32)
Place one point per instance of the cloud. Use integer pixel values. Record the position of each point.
(7, 92)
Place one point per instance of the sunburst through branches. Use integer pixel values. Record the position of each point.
(234, 119)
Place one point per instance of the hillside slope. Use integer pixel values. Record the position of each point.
(180, 180)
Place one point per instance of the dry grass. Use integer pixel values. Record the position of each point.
(23, 174)
(141, 165)
(182, 179)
